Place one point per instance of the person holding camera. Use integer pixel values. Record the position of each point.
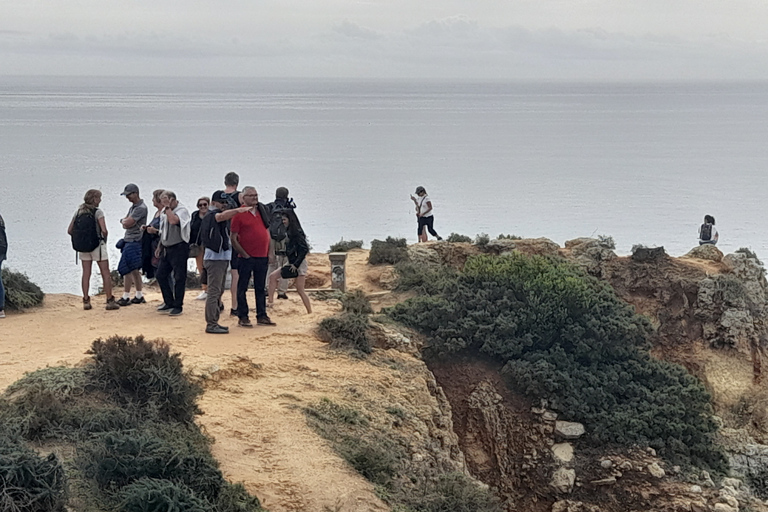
(296, 249)
(175, 224)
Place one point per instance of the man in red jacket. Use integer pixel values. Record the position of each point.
(250, 238)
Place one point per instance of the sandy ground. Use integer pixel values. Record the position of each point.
(260, 379)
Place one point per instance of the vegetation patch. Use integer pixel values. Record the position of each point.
(346, 331)
(356, 302)
(566, 337)
(20, 292)
(391, 251)
(346, 245)
(457, 238)
(126, 419)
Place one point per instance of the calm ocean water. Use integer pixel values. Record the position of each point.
(641, 162)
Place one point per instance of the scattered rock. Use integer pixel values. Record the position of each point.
(722, 507)
(569, 429)
(646, 254)
(625, 466)
(695, 489)
(563, 480)
(655, 470)
(549, 416)
(606, 463)
(706, 479)
(734, 483)
(730, 500)
(651, 451)
(563, 452)
(604, 481)
(590, 253)
(699, 507)
(705, 252)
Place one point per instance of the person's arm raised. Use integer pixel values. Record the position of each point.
(228, 214)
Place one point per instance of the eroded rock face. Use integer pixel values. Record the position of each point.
(530, 246)
(705, 252)
(590, 254)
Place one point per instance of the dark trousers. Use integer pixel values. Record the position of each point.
(426, 222)
(217, 277)
(258, 268)
(173, 262)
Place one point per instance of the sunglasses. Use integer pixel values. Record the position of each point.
(200, 205)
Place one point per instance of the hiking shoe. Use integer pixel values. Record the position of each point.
(112, 304)
(138, 300)
(439, 238)
(202, 296)
(244, 322)
(175, 312)
(164, 309)
(87, 303)
(217, 329)
(2, 313)
(232, 312)
(282, 295)
(122, 301)
(265, 320)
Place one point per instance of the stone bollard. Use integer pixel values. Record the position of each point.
(338, 271)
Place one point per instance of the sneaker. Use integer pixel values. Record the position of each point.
(217, 329)
(439, 238)
(232, 312)
(175, 312)
(112, 304)
(265, 320)
(87, 303)
(2, 313)
(138, 300)
(282, 295)
(244, 322)
(202, 296)
(163, 308)
(123, 301)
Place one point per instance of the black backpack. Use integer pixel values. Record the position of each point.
(214, 235)
(277, 229)
(706, 232)
(85, 237)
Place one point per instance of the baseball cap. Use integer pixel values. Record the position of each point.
(218, 196)
(130, 189)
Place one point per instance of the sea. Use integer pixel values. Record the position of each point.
(640, 162)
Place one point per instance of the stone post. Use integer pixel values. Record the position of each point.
(338, 271)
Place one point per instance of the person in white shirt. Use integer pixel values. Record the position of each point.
(707, 232)
(424, 215)
(175, 228)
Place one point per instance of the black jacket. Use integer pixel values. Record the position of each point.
(296, 248)
(3, 240)
(194, 233)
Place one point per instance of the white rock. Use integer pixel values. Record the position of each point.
(651, 451)
(730, 500)
(695, 489)
(722, 507)
(732, 482)
(655, 470)
(569, 429)
(606, 463)
(563, 480)
(549, 416)
(563, 452)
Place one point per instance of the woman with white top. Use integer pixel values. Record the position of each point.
(707, 232)
(424, 215)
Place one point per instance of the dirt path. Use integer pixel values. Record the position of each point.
(260, 380)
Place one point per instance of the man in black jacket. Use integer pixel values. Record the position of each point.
(277, 253)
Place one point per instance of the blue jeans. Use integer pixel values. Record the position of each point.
(2, 288)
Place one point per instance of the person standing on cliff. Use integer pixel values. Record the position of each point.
(175, 224)
(708, 234)
(278, 237)
(233, 198)
(424, 216)
(250, 238)
(3, 254)
(130, 260)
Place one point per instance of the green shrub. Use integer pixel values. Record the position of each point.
(457, 238)
(348, 330)
(606, 241)
(482, 240)
(28, 482)
(151, 495)
(346, 245)
(428, 279)
(20, 292)
(377, 461)
(234, 498)
(145, 372)
(749, 253)
(392, 250)
(356, 302)
(502, 236)
(454, 493)
(567, 337)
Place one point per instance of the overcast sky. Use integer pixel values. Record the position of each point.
(477, 39)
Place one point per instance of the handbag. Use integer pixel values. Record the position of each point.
(289, 272)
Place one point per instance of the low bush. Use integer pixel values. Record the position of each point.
(508, 237)
(152, 495)
(454, 492)
(234, 498)
(749, 253)
(29, 482)
(346, 245)
(147, 373)
(20, 292)
(457, 238)
(356, 302)
(427, 279)
(565, 336)
(347, 331)
(378, 461)
(482, 240)
(606, 241)
(391, 250)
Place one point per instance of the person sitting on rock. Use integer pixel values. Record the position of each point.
(707, 232)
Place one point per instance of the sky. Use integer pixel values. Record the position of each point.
(582, 40)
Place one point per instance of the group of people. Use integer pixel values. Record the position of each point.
(232, 231)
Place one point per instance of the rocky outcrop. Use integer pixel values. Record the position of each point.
(705, 252)
(530, 246)
(590, 254)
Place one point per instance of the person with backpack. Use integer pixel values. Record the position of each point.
(130, 259)
(215, 241)
(297, 268)
(278, 238)
(708, 234)
(195, 245)
(424, 217)
(3, 254)
(88, 230)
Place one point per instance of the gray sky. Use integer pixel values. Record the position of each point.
(479, 39)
